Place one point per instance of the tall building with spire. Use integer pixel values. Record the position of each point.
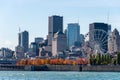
(23, 43)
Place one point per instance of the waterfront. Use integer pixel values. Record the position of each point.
(29, 75)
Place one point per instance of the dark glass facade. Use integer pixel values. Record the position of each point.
(55, 24)
(73, 32)
(99, 32)
(25, 40)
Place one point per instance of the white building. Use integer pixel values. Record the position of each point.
(59, 43)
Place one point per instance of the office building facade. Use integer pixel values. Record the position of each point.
(55, 24)
(23, 44)
(39, 39)
(59, 43)
(99, 32)
(25, 40)
(73, 32)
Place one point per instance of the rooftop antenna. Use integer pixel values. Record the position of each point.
(19, 29)
(108, 17)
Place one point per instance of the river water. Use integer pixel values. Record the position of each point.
(29, 75)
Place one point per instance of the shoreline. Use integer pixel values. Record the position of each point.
(77, 68)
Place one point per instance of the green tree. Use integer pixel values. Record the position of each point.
(118, 58)
(93, 60)
(98, 59)
(109, 59)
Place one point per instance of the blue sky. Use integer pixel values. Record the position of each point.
(32, 15)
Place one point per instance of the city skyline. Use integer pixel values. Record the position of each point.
(32, 15)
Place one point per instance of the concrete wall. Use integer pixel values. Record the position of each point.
(63, 68)
(102, 68)
(55, 68)
(98, 68)
(11, 68)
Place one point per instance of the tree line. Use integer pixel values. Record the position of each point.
(99, 59)
(57, 61)
(104, 59)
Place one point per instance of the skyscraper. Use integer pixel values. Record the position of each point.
(19, 38)
(25, 40)
(55, 25)
(23, 43)
(73, 31)
(99, 32)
